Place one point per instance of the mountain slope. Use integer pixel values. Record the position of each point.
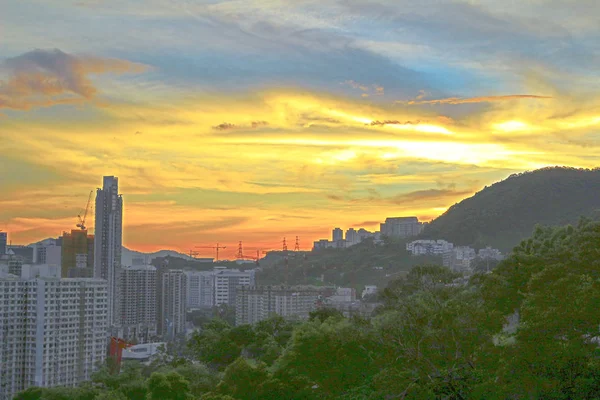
(128, 255)
(506, 212)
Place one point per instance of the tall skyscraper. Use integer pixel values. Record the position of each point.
(108, 239)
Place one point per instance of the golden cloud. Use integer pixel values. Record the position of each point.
(255, 171)
(484, 99)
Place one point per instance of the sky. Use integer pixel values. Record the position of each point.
(255, 120)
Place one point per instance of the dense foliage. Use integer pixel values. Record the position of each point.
(505, 213)
(433, 338)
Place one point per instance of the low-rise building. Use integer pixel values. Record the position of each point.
(343, 295)
(369, 290)
(459, 259)
(429, 247)
(490, 253)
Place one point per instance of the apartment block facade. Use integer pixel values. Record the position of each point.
(401, 227)
(108, 239)
(77, 250)
(200, 289)
(254, 304)
(226, 282)
(53, 332)
(173, 303)
(137, 303)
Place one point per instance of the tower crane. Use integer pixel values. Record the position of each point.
(217, 247)
(81, 223)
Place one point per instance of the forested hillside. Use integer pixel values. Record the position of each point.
(505, 213)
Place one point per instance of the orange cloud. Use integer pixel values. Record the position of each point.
(483, 99)
(42, 78)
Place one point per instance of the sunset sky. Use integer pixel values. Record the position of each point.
(257, 119)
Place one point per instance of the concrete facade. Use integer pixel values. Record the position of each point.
(137, 303)
(108, 239)
(254, 304)
(53, 332)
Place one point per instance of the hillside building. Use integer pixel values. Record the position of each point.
(401, 227)
(490, 253)
(459, 259)
(337, 235)
(429, 247)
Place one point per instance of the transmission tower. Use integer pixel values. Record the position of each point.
(240, 253)
(297, 246)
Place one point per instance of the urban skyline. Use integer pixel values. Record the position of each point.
(402, 107)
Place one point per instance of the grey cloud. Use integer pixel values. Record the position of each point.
(47, 77)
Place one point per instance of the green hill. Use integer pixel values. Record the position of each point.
(356, 266)
(505, 213)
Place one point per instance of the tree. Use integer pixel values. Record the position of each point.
(242, 380)
(323, 314)
(112, 395)
(171, 386)
(214, 346)
(334, 355)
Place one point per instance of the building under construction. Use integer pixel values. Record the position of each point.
(77, 254)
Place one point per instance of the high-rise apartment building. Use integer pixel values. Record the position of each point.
(254, 304)
(351, 237)
(3, 242)
(172, 311)
(108, 239)
(200, 289)
(226, 282)
(337, 235)
(401, 227)
(137, 303)
(77, 254)
(52, 332)
(48, 251)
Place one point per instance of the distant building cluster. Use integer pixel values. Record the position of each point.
(457, 258)
(395, 227)
(62, 299)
